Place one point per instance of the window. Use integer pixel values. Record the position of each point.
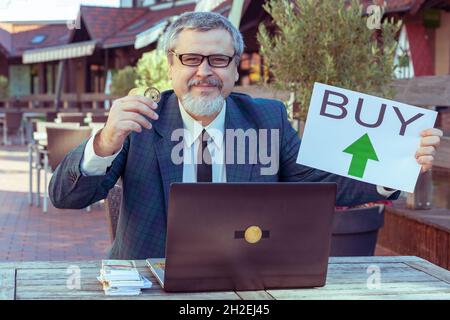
(402, 60)
(38, 38)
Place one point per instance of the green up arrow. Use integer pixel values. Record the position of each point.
(362, 150)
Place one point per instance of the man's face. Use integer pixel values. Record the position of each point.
(221, 80)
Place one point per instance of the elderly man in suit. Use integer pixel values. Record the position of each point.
(137, 143)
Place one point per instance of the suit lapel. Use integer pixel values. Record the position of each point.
(169, 121)
(234, 119)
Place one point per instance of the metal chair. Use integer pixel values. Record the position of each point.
(12, 122)
(41, 126)
(60, 141)
(355, 231)
(35, 158)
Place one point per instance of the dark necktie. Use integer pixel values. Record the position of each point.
(204, 167)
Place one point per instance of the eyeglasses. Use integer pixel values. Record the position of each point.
(194, 60)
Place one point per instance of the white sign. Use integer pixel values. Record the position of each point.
(364, 137)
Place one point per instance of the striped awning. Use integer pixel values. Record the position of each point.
(208, 5)
(68, 51)
(150, 35)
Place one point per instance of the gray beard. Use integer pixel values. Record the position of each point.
(202, 106)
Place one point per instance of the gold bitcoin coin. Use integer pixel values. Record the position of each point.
(149, 92)
(253, 234)
(152, 93)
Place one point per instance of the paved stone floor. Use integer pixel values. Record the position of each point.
(27, 234)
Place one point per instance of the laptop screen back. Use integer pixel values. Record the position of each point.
(248, 236)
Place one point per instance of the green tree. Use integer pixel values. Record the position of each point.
(3, 87)
(123, 81)
(152, 70)
(327, 41)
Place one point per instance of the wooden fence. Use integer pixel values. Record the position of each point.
(69, 101)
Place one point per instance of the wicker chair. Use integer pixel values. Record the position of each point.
(113, 203)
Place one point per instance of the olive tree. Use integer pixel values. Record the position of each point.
(326, 41)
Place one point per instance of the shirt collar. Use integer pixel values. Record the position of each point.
(215, 129)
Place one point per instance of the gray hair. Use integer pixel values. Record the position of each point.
(202, 21)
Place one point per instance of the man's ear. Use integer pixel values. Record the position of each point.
(236, 76)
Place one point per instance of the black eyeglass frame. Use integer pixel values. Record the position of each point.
(180, 57)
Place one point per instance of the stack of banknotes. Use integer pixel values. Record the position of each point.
(121, 277)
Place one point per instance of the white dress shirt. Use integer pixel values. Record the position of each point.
(93, 164)
(216, 146)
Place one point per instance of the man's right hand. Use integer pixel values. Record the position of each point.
(126, 115)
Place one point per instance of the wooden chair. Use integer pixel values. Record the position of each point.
(355, 231)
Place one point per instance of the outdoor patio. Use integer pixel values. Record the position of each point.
(28, 234)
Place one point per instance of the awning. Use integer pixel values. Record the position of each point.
(69, 51)
(208, 5)
(150, 35)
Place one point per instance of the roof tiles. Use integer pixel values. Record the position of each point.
(128, 33)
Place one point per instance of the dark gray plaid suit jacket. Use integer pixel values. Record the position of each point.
(147, 171)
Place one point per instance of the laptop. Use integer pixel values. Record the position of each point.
(246, 236)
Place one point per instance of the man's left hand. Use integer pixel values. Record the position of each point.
(428, 143)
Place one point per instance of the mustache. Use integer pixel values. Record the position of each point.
(210, 81)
